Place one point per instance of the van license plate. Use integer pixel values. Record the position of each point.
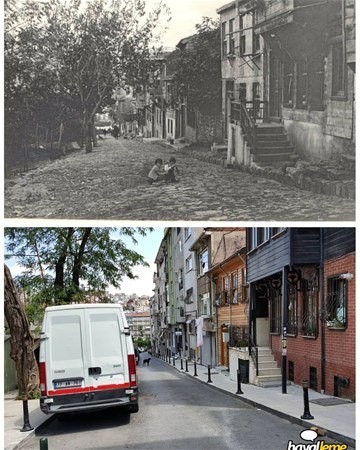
(67, 384)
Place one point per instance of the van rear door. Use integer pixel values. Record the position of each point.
(65, 353)
(107, 365)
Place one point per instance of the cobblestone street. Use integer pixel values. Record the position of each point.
(111, 183)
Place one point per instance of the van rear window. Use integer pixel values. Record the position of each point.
(105, 335)
(66, 338)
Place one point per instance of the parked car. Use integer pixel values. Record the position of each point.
(87, 359)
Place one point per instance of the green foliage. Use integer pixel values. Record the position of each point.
(197, 68)
(62, 265)
(142, 342)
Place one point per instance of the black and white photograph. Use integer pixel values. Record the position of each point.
(192, 110)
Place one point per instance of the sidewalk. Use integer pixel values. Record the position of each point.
(337, 421)
(13, 419)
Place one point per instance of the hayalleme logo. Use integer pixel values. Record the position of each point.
(311, 435)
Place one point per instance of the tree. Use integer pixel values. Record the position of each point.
(79, 52)
(57, 260)
(197, 68)
(22, 342)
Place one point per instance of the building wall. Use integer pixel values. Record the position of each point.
(305, 352)
(340, 345)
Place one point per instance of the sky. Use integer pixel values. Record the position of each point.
(185, 15)
(148, 247)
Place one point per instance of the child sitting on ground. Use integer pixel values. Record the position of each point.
(171, 170)
(157, 172)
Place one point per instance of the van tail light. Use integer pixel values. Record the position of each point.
(132, 370)
(42, 374)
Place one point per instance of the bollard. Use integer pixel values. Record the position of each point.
(43, 444)
(239, 391)
(209, 377)
(195, 372)
(306, 414)
(186, 365)
(181, 364)
(26, 426)
(173, 360)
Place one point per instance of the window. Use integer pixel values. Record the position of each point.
(223, 40)
(310, 83)
(241, 21)
(231, 37)
(275, 311)
(180, 245)
(256, 42)
(190, 117)
(242, 91)
(291, 309)
(226, 290)
(288, 81)
(263, 235)
(252, 239)
(309, 308)
(181, 279)
(234, 287)
(302, 84)
(203, 262)
(187, 233)
(336, 303)
(205, 304)
(338, 69)
(317, 84)
(189, 263)
(242, 45)
(189, 296)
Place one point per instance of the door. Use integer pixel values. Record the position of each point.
(107, 355)
(64, 352)
(275, 87)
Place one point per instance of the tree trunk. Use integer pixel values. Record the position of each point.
(79, 258)
(22, 342)
(60, 263)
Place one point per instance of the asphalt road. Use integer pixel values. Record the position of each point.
(111, 183)
(176, 412)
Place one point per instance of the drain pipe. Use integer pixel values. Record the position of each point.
(322, 309)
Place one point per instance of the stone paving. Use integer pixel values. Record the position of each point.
(111, 183)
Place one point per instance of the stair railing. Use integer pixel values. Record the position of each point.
(240, 113)
(254, 354)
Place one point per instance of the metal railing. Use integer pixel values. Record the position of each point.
(254, 354)
(240, 115)
(246, 113)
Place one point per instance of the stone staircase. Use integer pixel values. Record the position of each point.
(272, 145)
(269, 372)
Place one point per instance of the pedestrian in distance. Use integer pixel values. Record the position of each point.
(116, 131)
(157, 172)
(171, 170)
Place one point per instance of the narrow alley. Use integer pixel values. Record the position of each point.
(111, 183)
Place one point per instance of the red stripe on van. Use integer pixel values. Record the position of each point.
(79, 390)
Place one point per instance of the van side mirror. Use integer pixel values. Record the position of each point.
(127, 331)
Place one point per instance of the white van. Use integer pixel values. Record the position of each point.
(87, 359)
